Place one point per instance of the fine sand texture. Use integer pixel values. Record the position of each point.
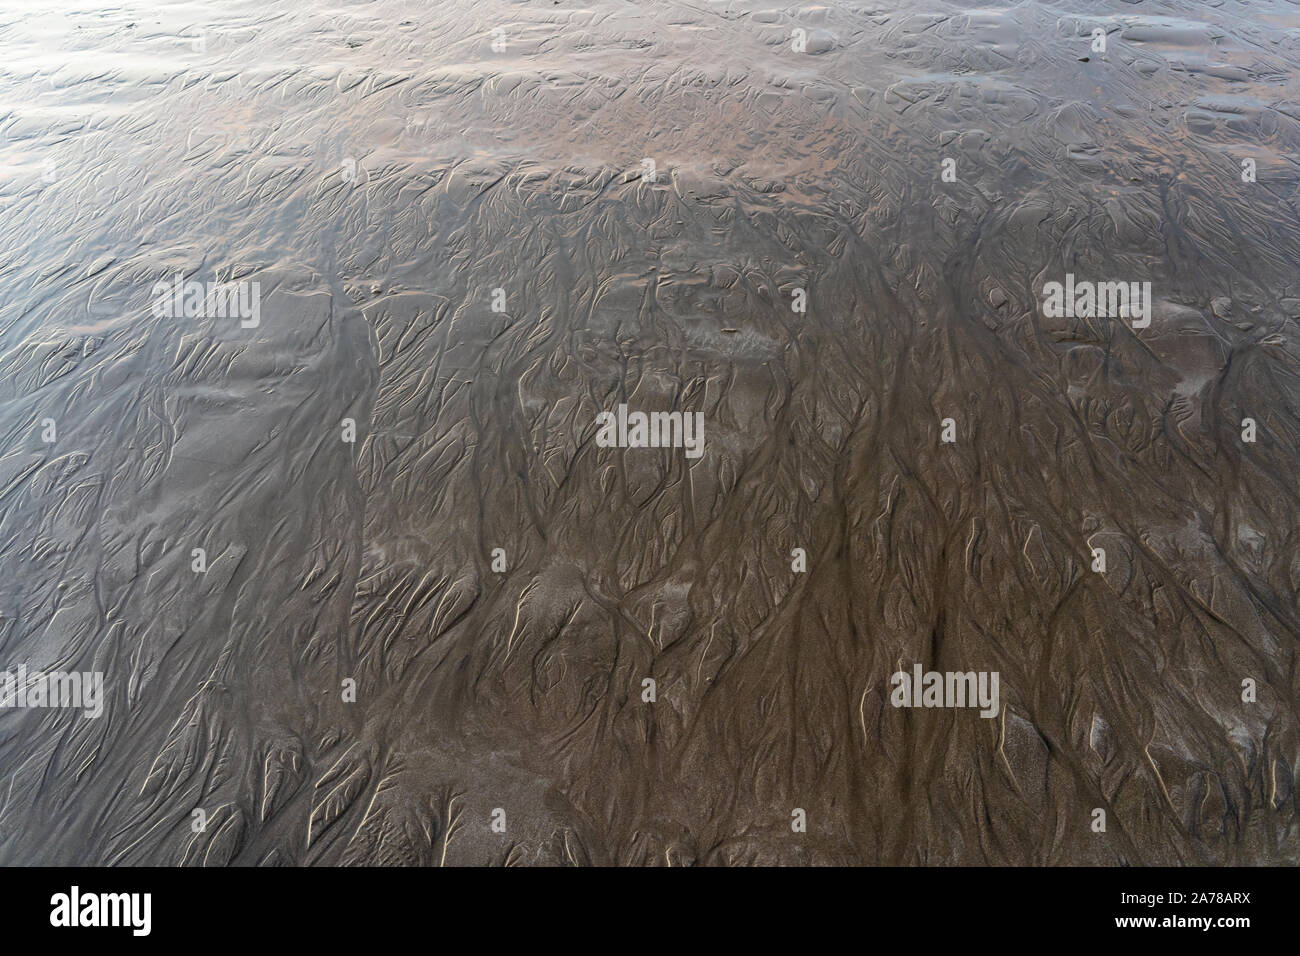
(366, 583)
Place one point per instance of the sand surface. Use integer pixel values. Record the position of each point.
(652, 186)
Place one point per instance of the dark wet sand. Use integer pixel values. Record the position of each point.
(379, 170)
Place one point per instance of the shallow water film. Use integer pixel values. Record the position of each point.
(653, 433)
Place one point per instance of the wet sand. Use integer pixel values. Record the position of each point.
(359, 675)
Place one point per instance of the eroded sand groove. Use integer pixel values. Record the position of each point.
(379, 170)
